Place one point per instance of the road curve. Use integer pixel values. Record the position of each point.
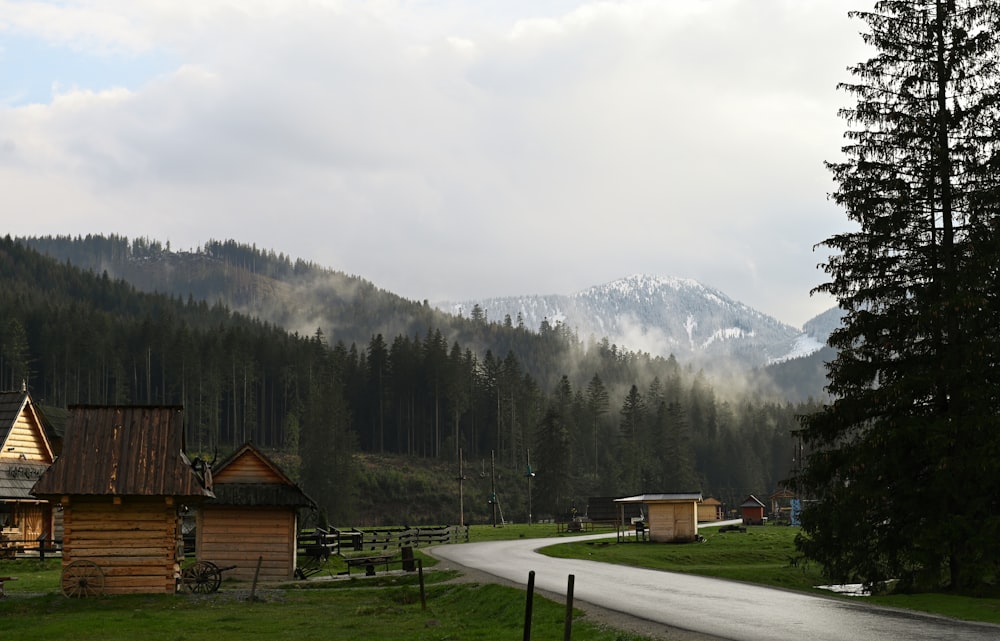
(713, 607)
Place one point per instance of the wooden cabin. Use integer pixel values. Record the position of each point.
(252, 517)
(709, 509)
(27, 448)
(752, 511)
(671, 518)
(121, 480)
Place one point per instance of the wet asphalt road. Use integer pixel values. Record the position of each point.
(723, 609)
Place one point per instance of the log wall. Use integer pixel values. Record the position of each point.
(231, 535)
(134, 542)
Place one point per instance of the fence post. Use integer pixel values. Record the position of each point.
(568, 625)
(528, 605)
(423, 595)
(256, 574)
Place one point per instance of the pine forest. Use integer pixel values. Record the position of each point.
(392, 380)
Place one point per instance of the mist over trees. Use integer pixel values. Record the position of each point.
(595, 420)
(903, 469)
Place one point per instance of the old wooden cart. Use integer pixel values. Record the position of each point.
(85, 578)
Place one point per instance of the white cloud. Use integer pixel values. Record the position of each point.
(449, 149)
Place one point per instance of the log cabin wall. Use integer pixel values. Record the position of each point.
(239, 535)
(133, 541)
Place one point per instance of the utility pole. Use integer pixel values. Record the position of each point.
(461, 496)
(529, 474)
(493, 486)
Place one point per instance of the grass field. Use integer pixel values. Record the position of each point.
(388, 607)
(765, 555)
(382, 608)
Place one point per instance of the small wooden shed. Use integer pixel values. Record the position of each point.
(672, 518)
(27, 449)
(121, 481)
(752, 511)
(253, 516)
(709, 509)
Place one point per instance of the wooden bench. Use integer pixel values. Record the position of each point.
(368, 563)
(4, 579)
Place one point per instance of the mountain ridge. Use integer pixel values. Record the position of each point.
(660, 315)
(657, 315)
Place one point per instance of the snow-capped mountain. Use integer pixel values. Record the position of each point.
(661, 316)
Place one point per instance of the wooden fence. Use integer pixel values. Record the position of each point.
(380, 540)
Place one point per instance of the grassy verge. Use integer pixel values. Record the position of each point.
(382, 608)
(524, 531)
(763, 555)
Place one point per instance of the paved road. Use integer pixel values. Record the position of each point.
(723, 609)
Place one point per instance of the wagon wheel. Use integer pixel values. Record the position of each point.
(202, 577)
(312, 564)
(82, 578)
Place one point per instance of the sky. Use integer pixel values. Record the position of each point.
(441, 149)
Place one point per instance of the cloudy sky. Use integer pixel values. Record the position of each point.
(442, 149)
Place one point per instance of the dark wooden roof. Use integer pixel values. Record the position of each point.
(11, 404)
(122, 450)
(17, 478)
(54, 422)
(277, 491)
(259, 495)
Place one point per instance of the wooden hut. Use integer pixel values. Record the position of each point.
(752, 511)
(672, 518)
(709, 509)
(27, 449)
(253, 516)
(121, 479)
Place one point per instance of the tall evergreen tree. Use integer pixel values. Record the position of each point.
(598, 404)
(904, 464)
(632, 426)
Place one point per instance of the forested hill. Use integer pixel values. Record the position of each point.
(295, 294)
(593, 419)
(303, 297)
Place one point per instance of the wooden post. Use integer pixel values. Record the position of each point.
(253, 586)
(529, 605)
(568, 624)
(423, 594)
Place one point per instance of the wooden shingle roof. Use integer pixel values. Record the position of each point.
(122, 450)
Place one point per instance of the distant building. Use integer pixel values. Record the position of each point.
(752, 510)
(781, 505)
(709, 509)
(671, 518)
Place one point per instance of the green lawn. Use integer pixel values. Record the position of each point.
(386, 607)
(765, 555)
